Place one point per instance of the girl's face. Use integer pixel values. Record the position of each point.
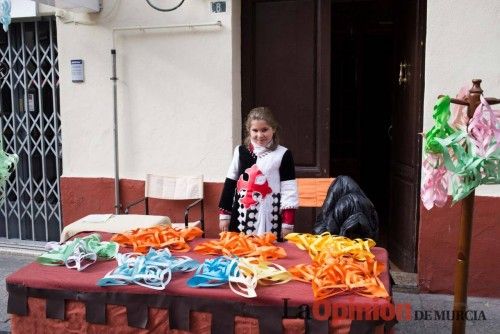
(260, 132)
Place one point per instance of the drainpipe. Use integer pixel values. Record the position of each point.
(115, 133)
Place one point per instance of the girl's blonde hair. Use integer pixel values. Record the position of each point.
(262, 114)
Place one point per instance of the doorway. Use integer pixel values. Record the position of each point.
(329, 71)
(376, 112)
(361, 97)
(31, 127)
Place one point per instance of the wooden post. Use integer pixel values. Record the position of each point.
(472, 101)
(464, 241)
(462, 265)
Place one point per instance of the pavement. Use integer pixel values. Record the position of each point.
(10, 262)
(427, 310)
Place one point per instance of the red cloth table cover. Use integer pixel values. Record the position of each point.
(72, 295)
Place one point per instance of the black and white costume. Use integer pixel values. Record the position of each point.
(260, 184)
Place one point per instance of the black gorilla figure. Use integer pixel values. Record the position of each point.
(347, 211)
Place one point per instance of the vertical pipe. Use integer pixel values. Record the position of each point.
(115, 133)
(464, 241)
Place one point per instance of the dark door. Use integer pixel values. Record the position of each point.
(406, 141)
(286, 66)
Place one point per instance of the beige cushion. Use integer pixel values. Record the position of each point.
(112, 224)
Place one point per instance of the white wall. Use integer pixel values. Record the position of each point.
(463, 43)
(178, 91)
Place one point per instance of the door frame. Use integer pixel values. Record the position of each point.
(420, 84)
(323, 83)
(418, 76)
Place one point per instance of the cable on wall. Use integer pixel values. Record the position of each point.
(165, 9)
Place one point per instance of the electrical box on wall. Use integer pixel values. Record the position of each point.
(23, 8)
(77, 70)
(79, 6)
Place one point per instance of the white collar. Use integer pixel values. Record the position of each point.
(260, 151)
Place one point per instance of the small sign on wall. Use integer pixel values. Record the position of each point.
(218, 6)
(31, 102)
(77, 70)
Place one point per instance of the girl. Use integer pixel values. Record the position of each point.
(260, 190)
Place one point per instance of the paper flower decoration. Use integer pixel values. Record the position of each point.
(460, 157)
